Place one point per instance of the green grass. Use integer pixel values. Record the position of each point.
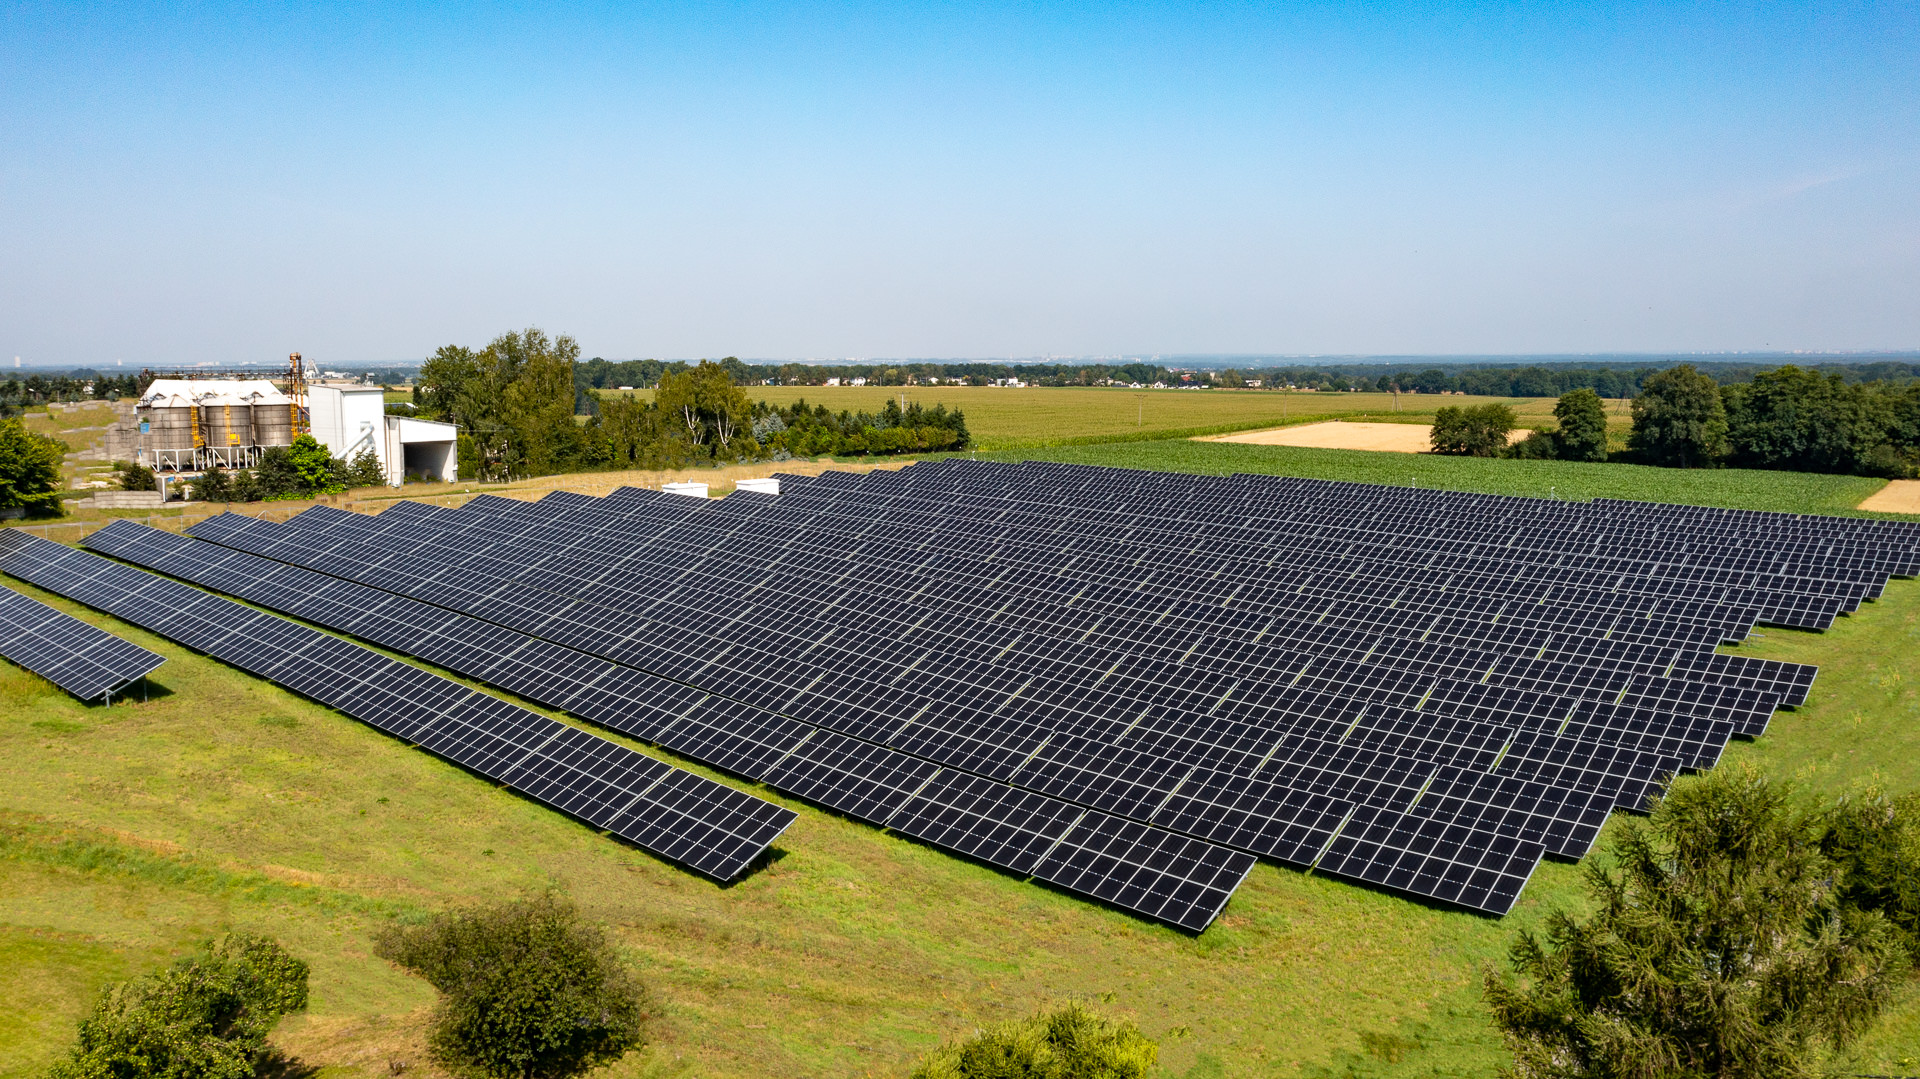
(1003, 419)
(128, 834)
(1792, 492)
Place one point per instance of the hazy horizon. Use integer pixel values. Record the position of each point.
(227, 183)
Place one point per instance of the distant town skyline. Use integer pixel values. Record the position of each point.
(225, 183)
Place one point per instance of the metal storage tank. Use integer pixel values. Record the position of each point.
(166, 425)
(272, 420)
(226, 422)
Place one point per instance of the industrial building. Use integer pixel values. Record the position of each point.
(186, 425)
(351, 420)
(189, 424)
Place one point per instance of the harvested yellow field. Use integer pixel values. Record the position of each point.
(1345, 435)
(1898, 496)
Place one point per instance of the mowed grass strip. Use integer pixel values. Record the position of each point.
(137, 830)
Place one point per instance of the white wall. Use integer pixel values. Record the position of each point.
(349, 421)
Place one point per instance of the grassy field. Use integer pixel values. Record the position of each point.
(1005, 419)
(129, 833)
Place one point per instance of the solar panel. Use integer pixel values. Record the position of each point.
(706, 826)
(87, 662)
(1423, 690)
(725, 733)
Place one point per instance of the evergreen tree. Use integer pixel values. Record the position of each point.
(1719, 946)
(1678, 419)
(365, 471)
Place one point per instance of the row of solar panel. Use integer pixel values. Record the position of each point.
(685, 818)
(1478, 867)
(359, 556)
(1081, 850)
(86, 661)
(1024, 708)
(1415, 554)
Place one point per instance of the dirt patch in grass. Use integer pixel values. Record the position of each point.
(1346, 435)
(1898, 496)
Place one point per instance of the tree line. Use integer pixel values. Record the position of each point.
(1789, 418)
(523, 409)
(35, 390)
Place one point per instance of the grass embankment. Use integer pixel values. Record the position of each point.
(1037, 416)
(129, 833)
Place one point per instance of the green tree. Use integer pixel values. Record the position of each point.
(705, 408)
(1582, 434)
(1068, 1042)
(312, 467)
(365, 470)
(1802, 421)
(29, 469)
(1718, 946)
(1873, 841)
(1679, 420)
(205, 1018)
(214, 485)
(1480, 431)
(539, 402)
(528, 990)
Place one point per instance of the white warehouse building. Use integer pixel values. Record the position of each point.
(349, 420)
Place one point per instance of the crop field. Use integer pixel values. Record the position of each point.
(1004, 419)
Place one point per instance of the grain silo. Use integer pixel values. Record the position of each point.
(169, 426)
(226, 428)
(272, 417)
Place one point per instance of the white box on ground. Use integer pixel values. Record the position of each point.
(689, 488)
(768, 486)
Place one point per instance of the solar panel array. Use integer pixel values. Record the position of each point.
(1141, 868)
(1423, 690)
(706, 826)
(86, 661)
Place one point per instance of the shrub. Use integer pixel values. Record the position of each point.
(204, 1018)
(1720, 945)
(214, 485)
(1678, 419)
(365, 471)
(1068, 1042)
(528, 992)
(1537, 446)
(1480, 431)
(137, 477)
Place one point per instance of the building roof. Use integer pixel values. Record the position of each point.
(186, 392)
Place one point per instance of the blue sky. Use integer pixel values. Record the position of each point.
(367, 182)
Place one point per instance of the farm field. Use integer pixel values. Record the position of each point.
(1037, 416)
(129, 833)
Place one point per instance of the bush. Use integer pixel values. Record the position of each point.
(1480, 431)
(528, 992)
(136, 477)
(1537, 446)
(1068, 1042)
(1679, 420)
(205, 1018)
(365, 471)
(214, 485)
(1723, 942)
